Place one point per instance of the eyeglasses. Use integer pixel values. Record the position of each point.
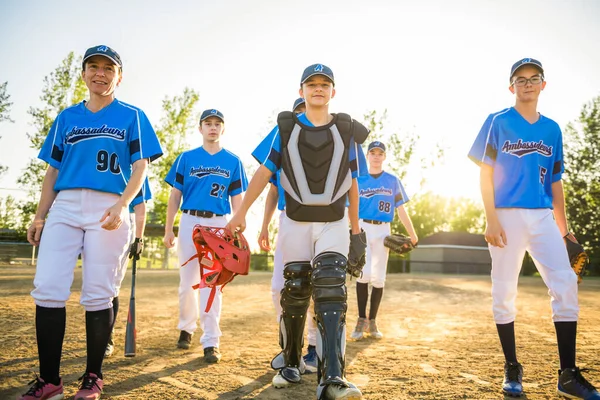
(534, 80)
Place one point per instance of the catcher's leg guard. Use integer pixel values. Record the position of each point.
(329, 295)
(295, 298)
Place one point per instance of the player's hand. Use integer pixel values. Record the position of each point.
(237, 223)
(414, 240)
(263, 240)
(495, 235)
(135, 250)
(169, 239)
(112, 217)
(34, 232)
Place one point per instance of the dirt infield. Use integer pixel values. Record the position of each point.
(440, 341)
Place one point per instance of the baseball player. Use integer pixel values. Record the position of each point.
(520, 153)
(275, 200)
(137, 221)
(210, 180)
(98, 152)
(380, 193)
(317, 155)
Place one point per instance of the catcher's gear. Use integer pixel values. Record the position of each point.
(295, 299)
(222, 255)
(330, 298)
(399, 244)
(356, 254)
(135, 250)
(578, 258)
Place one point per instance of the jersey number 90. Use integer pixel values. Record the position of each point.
(108, 162)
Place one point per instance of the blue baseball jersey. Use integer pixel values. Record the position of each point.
(379, 196)
(143, 195)
(527, 158)
(268, 152)
(96, 150)
(206, 180)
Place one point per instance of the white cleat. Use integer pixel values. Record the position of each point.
(338, 392)
(374, 332)
(292, 375)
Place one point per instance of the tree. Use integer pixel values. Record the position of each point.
(5, 104)
(582, 177)
(4, 112)
(178, 120)
(9, 213)
(62, 88)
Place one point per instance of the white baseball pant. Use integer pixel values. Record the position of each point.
(73, 228)
(277, 284)
(535, 231)
(123, 270)
(377, 255)
(192, 305)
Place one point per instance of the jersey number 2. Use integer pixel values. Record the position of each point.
(217, 190)
(108, 162)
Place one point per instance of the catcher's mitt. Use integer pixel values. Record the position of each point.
(356, 254)
(399, 244)
(577, 256)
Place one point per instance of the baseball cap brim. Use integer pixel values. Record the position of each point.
(318, 73)
(103, 55)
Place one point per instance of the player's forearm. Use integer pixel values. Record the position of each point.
(486, 180)
(257, 185)
(140, 220)
(407, 222)
(270, 205)
(353, 208)
(172, 208)
(48, 193)
(138, 174)
(558, 202)
(236, 202)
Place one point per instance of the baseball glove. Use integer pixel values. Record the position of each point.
(399, 244)
(577, 256)
(356, 254)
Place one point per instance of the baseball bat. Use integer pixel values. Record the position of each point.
(130, 331)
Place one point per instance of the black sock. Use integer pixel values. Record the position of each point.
(376, 294)
(115, 312)
(506, 332)
(50, 332)
(566, 336)
(362, 294)
(98, 325)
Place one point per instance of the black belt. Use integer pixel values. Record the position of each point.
(370, 221)
(203, 214)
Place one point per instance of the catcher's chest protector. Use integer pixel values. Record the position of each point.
(315, 168)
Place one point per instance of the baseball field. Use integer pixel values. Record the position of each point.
(440, 341)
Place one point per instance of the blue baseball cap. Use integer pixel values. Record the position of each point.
(526, 61)
(317, 69)
(299, 101)
(212, 113)
(376, 145)
(103, 51)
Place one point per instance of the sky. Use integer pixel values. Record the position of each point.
(438, 67)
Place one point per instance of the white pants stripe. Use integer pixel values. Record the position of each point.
(73, 228)
(535, 231)
(192, 303)
(377, 255)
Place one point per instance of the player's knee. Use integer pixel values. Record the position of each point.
(329, 277)
(297, 289)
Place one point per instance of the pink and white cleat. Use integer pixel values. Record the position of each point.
(91, 387)
(41, 390)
